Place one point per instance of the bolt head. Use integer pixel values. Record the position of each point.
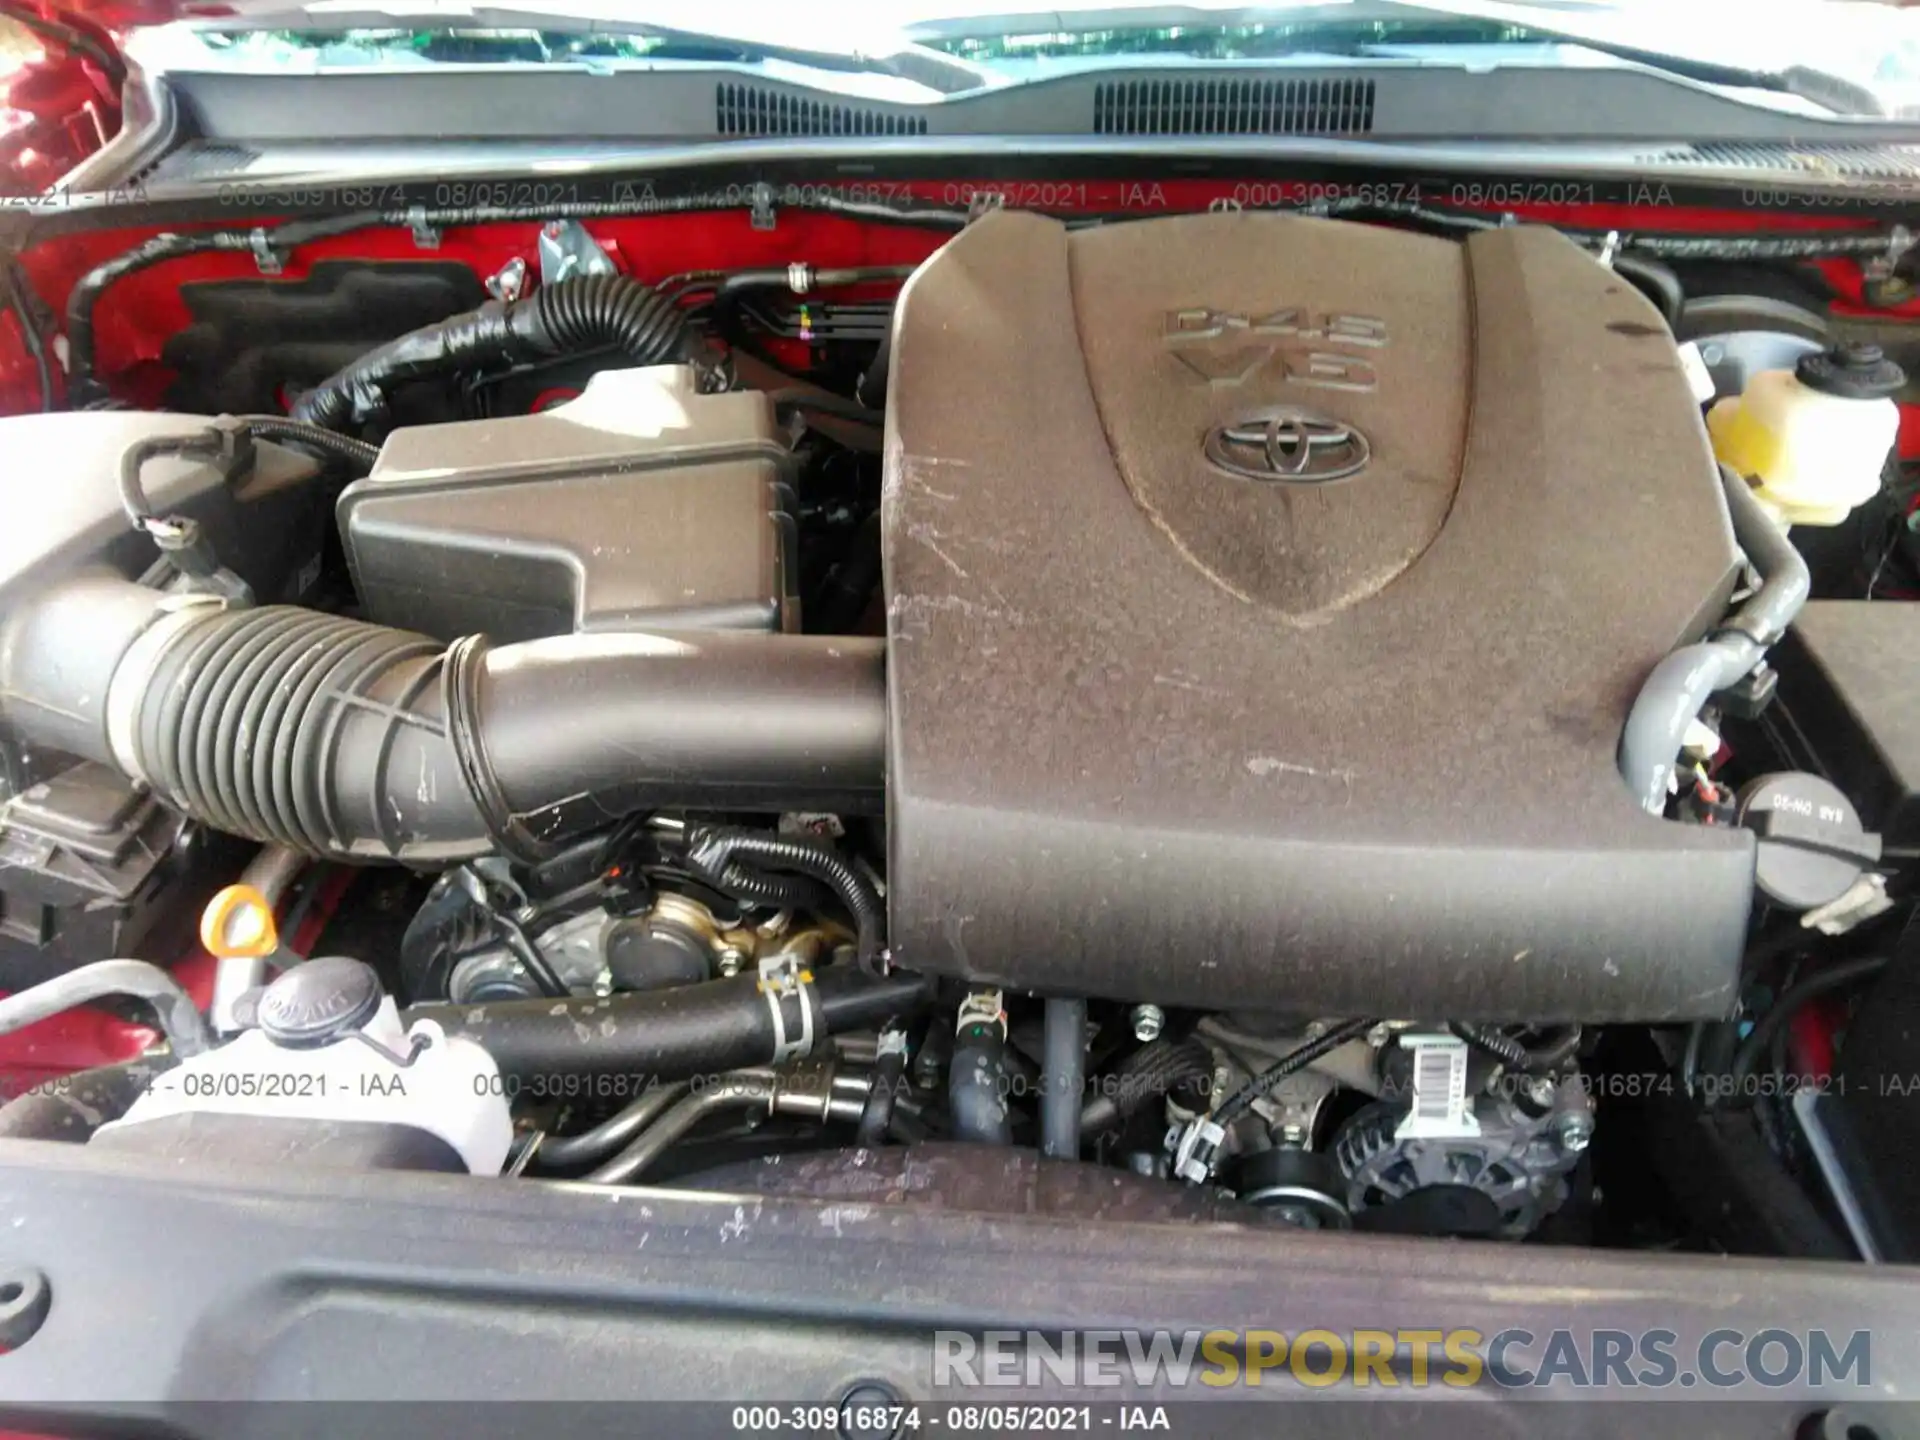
(1148, 1022)
(1575, 1133)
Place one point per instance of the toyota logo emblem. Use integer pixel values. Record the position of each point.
(1290, 445)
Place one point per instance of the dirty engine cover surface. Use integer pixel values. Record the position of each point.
(1266, 597)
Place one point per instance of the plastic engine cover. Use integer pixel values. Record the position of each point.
(1266, 597)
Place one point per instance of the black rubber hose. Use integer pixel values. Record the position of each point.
(978, 1086)
(340, 738)
(1063, 1077)
(1148, 1074)
(1291, 1063)
(571, 317)
(1822, 982)
(719, 852)
(71, 1108)
(889, 1078)
(666, 1035)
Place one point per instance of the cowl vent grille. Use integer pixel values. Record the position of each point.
(1234, 107)
(743, 110)
(1836, 160)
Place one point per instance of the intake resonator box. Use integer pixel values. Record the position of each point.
(1266, 596)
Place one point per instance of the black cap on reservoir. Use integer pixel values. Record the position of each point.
(318, 1002)
(1851, 370)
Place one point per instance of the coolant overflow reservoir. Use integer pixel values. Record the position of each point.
(1813, 438)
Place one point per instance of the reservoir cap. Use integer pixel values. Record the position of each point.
(1851, 370)
(319, 1001)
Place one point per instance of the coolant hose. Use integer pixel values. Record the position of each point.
(569, 317)
(180, 1020)
(889, 1075)
(667, 1035)
(340, 738)
(1680, 685)
(977, 1081)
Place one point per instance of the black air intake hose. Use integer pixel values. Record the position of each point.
(570, 317)
(340, 738)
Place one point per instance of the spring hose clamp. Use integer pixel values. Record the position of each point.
(784, 977)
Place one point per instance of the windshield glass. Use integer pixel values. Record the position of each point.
(1845, 57)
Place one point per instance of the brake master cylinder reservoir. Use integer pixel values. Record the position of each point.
(1813, 438)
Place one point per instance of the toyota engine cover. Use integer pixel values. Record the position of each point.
(1266, 596)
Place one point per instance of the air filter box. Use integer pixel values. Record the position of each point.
(641, 504)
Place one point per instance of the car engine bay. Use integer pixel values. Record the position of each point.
(1354, 725)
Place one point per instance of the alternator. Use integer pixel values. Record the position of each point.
(1515, 1146)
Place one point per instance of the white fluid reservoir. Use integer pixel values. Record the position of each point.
(1813, 439)
(329, 1047)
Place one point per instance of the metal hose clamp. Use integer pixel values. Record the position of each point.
(782, 977)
